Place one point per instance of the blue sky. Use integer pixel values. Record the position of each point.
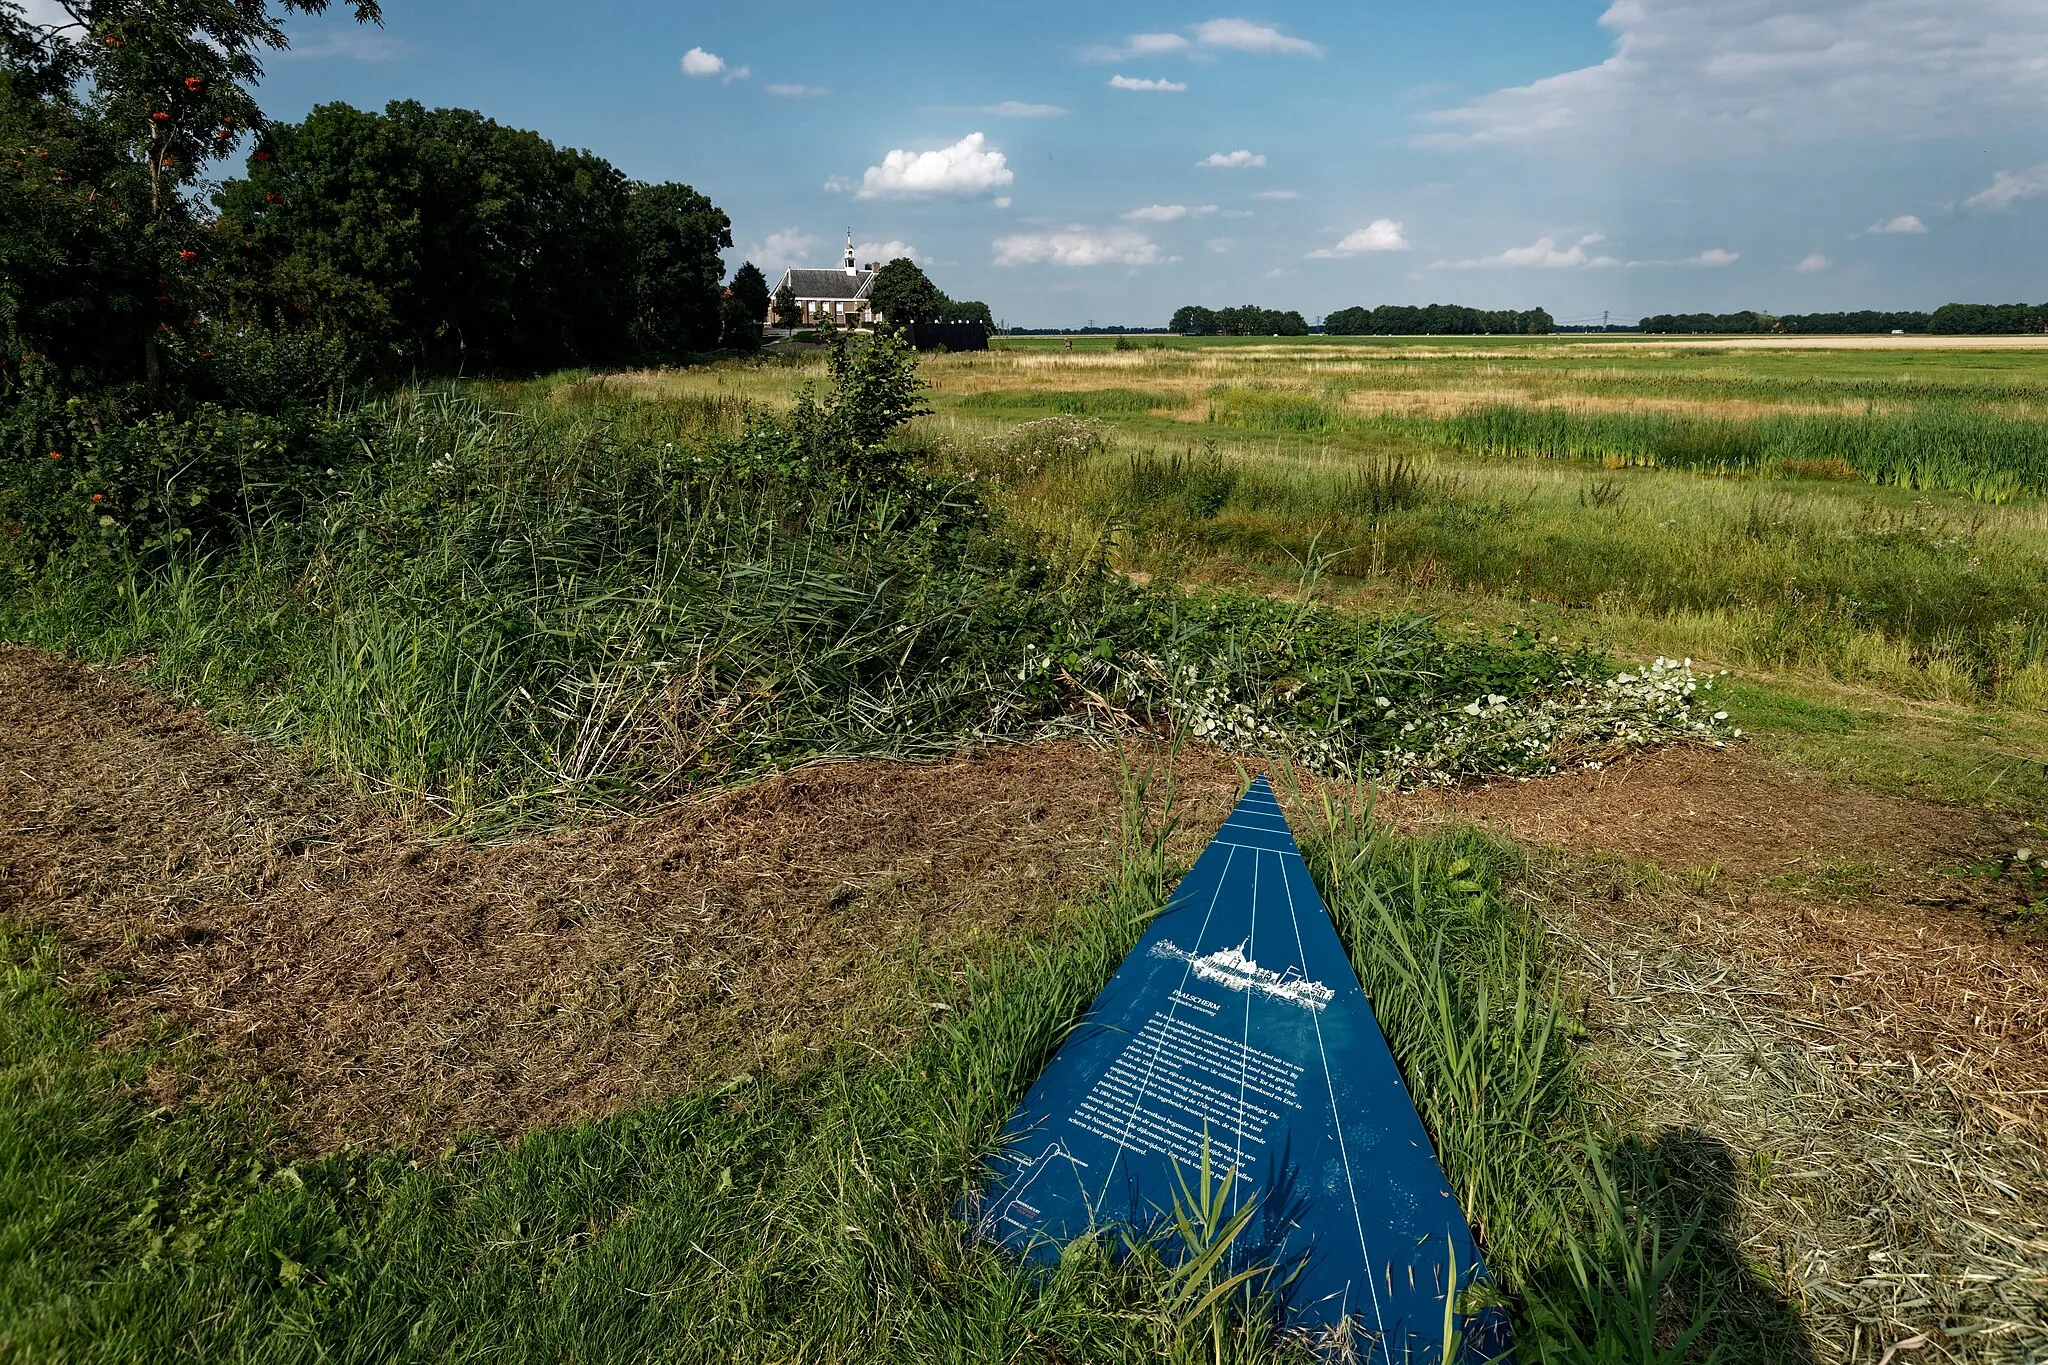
(1067, 162)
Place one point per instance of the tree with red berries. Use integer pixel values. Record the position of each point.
(109, 119)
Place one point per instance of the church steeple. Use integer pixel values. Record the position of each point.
(849, 251)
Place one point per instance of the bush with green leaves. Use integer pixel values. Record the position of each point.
(79, 474)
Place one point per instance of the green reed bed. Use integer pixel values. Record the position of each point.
(1951, 448)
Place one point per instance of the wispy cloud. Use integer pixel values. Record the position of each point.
(1231, 35)
(2008, 188)
(1277, 194)
(352, 42)
(968, 167)
(1077, 247)
(1542, 254)
(1145, 83)
(1813, 264)
(1381, 234)
(1168, 213)
(1904, 224)
(1713, 258)
(1711, 78)
(1240, 159)
(1019, 109)
(797, 92)
(1241, 35)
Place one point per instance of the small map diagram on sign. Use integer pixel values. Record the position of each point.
(1231, 967)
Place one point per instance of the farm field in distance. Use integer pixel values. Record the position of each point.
(592, 882)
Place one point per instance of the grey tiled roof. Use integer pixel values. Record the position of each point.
(829, 284)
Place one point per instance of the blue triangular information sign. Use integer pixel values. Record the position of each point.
(1238, 1021)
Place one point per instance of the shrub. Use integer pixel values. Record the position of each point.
(79, 473)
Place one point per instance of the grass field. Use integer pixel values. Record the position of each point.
(1781, 511)
(534, 607)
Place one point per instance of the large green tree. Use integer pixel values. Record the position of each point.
(904, 293)
(676, 235)
(440, 239)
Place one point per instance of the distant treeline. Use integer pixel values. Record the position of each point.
(1387, 320)
(1951, 319)
(1249, 320)
(1436, 319)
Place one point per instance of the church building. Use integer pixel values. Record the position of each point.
(841, 295)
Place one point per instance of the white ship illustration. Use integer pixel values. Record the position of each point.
(1230, 967)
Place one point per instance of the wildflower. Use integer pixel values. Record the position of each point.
(1381, 702)
(192, 84)
(161, 117)
(188, 255)
(99, 497)
(263, 156)
(2023, 855)
(55, 454)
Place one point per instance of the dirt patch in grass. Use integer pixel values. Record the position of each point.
(400, 991)
(1903, 919)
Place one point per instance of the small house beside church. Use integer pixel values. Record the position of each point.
(841, 295)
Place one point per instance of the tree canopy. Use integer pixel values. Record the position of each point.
(905, 295)
(112, 114)
(1436, 319)
(1247, 320)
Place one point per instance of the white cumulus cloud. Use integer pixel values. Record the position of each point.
(1904, 223)
(1542, 254)
(1145, 83)
(1717, 78)
(1237, 160)
(1169, 213)
(970, 166)
(1241, 35)
(698, 62)
(791, 246)
(1381, 234)
(1077, 247)
(798, 92)
(1712, 258)
(1813, 264)
(2007, 188)
(883, 252)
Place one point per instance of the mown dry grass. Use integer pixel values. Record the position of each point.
(400, 991)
